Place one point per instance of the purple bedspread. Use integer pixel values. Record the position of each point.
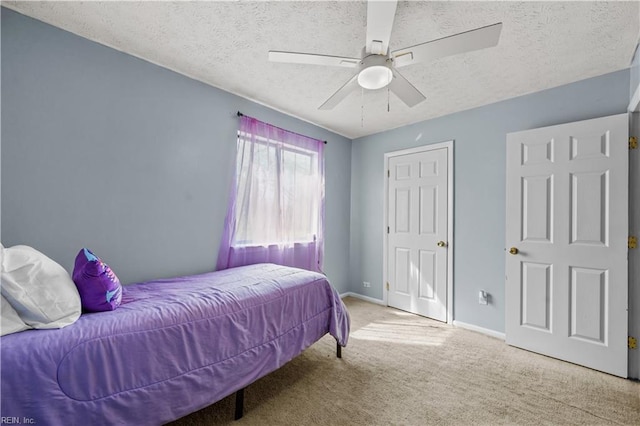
(173, 347)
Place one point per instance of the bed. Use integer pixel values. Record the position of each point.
(173, 347)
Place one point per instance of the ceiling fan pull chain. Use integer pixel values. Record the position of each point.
(388, 107)
(362, 107)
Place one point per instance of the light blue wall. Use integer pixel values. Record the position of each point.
(104, 150)
(479, 185)
(635, 72)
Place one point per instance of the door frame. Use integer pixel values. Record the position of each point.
(634, 228)
(448, 145)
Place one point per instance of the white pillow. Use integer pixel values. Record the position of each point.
(40, 290)
(10, 321)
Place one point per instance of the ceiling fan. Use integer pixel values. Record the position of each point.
(377, 68)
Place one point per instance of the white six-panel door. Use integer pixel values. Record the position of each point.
(417, 217)
(566, 235)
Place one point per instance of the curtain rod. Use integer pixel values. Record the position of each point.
(242, 115)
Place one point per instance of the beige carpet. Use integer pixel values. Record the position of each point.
(401, 369)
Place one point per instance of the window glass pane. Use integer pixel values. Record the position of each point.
(300, 195)
(278, 194)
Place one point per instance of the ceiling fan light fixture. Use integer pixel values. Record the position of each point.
(375, 77)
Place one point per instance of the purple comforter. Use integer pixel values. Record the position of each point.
(173, 347)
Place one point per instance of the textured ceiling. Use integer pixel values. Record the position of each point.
(225, 44)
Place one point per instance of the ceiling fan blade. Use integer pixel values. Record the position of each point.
(342, 93)
(380, 16)
(479, 38)
(405, 90)
(310, 58)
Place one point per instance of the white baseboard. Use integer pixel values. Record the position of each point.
(456, 323)
(365, 298)
(482, 330)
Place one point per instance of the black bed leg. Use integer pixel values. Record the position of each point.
(338, 350)
(239, 404)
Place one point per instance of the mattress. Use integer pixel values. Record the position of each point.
(174, 346)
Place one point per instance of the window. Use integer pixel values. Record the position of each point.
(278, 181)
(276, 215)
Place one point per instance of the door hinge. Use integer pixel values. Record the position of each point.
(633, 342)
(633, 242)
(387, 229)
(387, 285)
(633, 142)
(388, 173)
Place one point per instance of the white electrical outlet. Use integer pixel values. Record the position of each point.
(366, 283)
(483, 297)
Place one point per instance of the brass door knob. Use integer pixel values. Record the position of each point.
(513, 250)
(441, 244)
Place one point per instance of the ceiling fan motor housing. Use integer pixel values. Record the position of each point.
(375, 72)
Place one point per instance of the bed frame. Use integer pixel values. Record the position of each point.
(240, 394)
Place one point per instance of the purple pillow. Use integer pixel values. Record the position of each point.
(99, 288)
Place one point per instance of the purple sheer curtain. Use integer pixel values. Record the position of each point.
(276, 203)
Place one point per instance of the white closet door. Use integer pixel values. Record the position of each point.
(567, 229)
